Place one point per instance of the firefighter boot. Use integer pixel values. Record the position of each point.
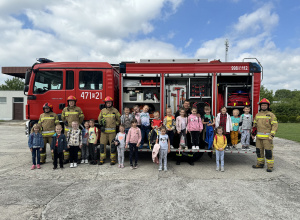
(270, 160)
(102, 154)
(258, 166)
(113, 154)
(178, 159)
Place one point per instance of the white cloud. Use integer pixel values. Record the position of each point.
(188, 43)
(251, 36)
(95, 30)
(99, 30)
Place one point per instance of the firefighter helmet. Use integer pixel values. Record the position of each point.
(48, 105)
(108, 99)
(264, 101)
(72, 98)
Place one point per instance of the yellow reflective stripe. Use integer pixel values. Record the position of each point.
(263, 117)
(71, 113)
(110, 131)
(260, 135)
(260, 159)
(47, 118)
(254, 121)
(179, 155)
(273, 132)
(274, 122)
(47, 134)
(56, 121)
(108, 115)
(270, 161)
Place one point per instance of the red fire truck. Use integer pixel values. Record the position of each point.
(158, 83)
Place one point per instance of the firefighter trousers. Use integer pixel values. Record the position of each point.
(264, 148)
(43, 154)
(106, 138)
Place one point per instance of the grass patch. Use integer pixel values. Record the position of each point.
(290, 131)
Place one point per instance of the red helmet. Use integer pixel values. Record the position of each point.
(72, 98)
(264, 101)
(108, 99)
(48, 105)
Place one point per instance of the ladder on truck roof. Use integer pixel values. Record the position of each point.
(173, 60)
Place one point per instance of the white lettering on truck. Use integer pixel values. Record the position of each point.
(91, 95)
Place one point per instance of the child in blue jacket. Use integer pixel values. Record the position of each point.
(36, 145)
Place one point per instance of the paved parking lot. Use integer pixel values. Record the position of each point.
(184, 192)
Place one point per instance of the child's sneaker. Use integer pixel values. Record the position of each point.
(75, 165)
(197, 148)
(131, 167)
(243, 148)
(186, 148)
(135, 166)
(222, 169)
(119, 165)
(82, 161)
(38, 166)
(86, 161)
(171, 146)
(165, 169)
(193, 148)
(122, 166)
(71, 165)
(159, 169)
(248, 148)
(33, 167)
(217, 169)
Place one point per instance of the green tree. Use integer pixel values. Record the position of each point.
(281, 94)
(13, 84)
(265, 93)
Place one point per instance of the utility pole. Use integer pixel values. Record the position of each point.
(226, 49)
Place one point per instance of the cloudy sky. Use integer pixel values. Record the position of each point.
(119, 30)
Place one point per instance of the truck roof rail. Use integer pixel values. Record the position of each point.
(173, 60)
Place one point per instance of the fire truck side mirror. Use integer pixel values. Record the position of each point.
(26, 88)
(62, 106)
(101, 106)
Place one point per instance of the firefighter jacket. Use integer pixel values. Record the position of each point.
(48, 121)
(71, 114)
(111, 117)
(266, 124)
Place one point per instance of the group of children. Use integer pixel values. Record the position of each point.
(134, 130)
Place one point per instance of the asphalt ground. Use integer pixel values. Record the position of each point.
(183, 192)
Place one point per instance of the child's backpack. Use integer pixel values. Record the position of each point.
(217, 138)
(152, 136)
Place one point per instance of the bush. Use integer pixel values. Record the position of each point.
(283, 118)
(298, 119)
(292, 119)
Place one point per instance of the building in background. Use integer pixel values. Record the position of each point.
(13, 103)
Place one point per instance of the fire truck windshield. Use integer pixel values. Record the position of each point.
(47, 80)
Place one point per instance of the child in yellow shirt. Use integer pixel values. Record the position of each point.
(220, 142)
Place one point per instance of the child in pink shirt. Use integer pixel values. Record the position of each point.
(133, 138)
(195, 127)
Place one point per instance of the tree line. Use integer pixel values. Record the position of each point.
(285, 104)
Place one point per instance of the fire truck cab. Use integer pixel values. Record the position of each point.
(53, 82)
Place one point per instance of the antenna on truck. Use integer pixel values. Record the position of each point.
(226, 49)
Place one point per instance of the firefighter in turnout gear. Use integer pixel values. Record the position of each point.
(69, 114)
(109, 119)
(47, 121)
(265, 126)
